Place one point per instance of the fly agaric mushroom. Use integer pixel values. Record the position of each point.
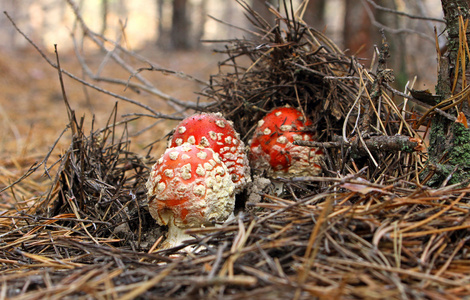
(214, 131)
(272, 146)
(189, 186)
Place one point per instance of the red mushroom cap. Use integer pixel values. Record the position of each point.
(215, 132)
(272, 145)
(190, 186)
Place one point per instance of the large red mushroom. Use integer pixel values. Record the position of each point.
(215, 132)
(272, 147)
(189, 186)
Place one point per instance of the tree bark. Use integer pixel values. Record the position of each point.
(449, 142)
(452, 10)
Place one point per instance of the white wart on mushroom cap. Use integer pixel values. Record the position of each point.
(190, 186)
(272, 146)
(215, 132)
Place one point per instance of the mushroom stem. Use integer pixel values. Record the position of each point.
(175, 236)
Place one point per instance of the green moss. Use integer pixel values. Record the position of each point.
(459, 176)
(437, 138)
(460, 149)
(406, 148)
(459, 155)
(454, 152)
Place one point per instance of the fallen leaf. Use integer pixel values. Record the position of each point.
(462, 119)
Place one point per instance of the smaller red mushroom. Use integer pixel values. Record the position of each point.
(215, 132)
(272, 146)
(189, 186)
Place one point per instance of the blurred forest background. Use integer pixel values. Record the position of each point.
(178, 35)
(181, 24)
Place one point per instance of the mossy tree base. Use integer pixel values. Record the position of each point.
(449, 142)
(454, 164)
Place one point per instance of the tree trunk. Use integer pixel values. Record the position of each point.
(180, 25)
(202, 12)
(315, 14)
(358, 34)
(163, 40)
(104, 16)
(397, 60)
(449, 150)
(262, 9)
